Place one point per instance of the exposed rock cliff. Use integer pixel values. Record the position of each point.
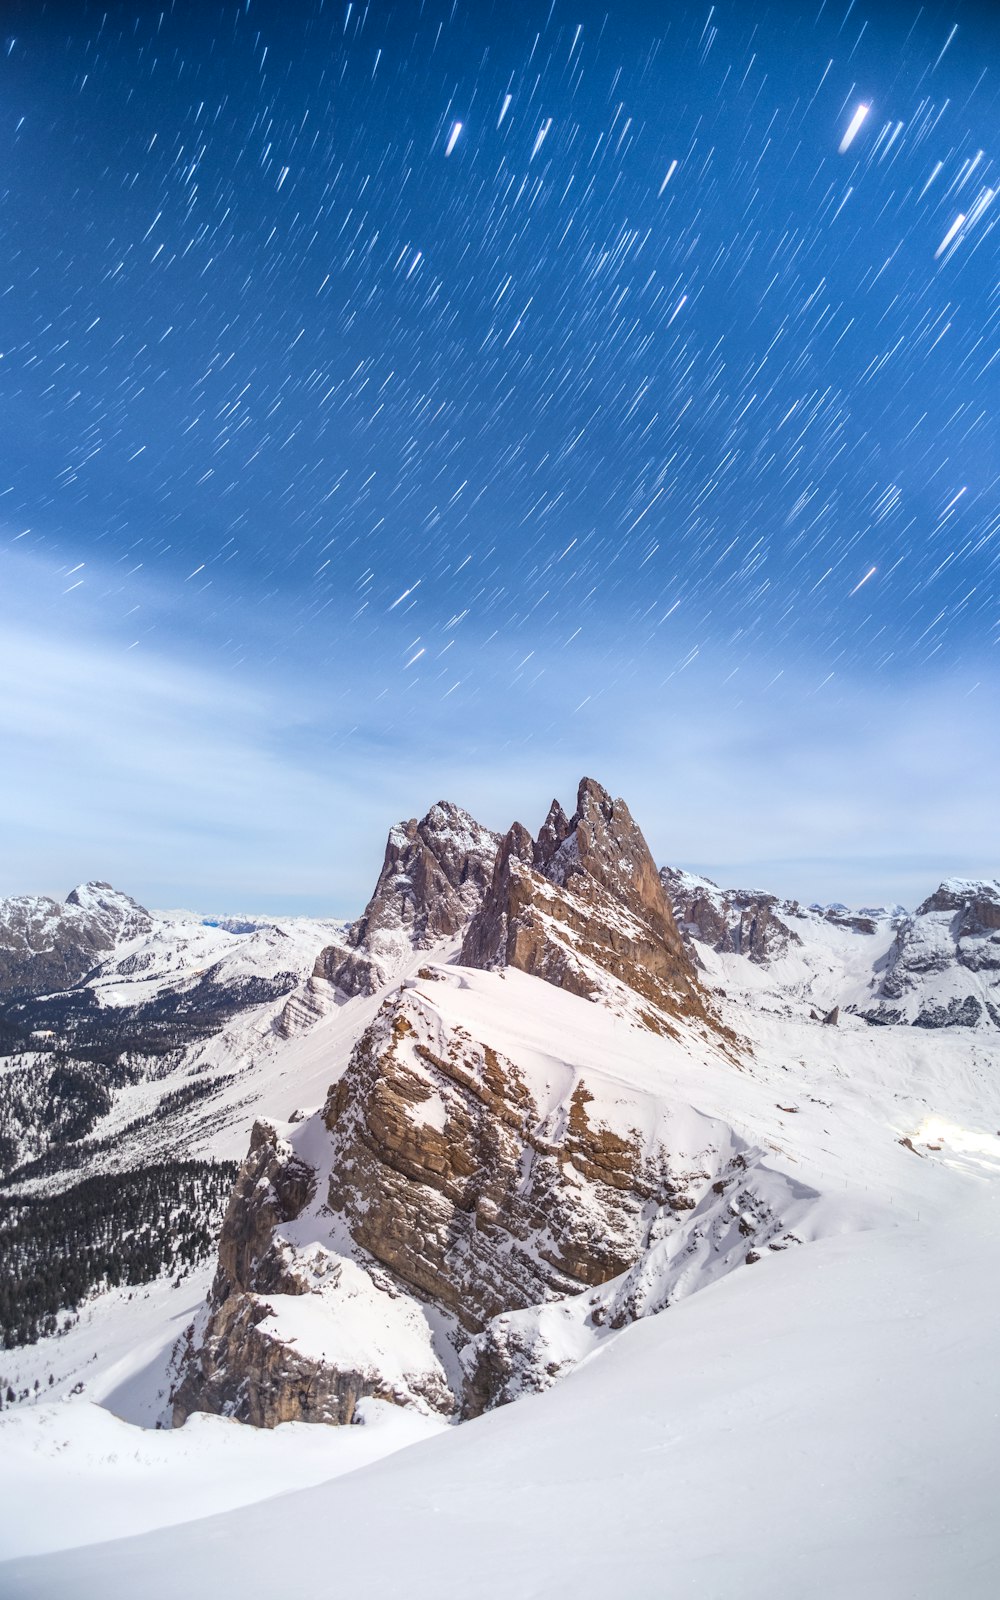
(239, 1359)
(582, 906)
(446, 1172)
(448, 1182)
(433, 878)
(943, 969)
(738, 921)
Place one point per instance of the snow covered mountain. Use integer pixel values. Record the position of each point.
(153, 1015)
(538, 1094)
(943, 967)
(938, 967)
(45, 945)
(461, 1180)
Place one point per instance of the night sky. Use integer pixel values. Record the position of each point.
(447, 399)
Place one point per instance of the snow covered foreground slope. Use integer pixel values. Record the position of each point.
(820, 1426)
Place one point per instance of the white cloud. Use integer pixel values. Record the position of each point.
(272, 786)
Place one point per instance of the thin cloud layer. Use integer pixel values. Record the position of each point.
(186, 781)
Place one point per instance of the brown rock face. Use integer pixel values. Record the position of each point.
(742, 921)
(584, 902)
(442, 1175)
(239, 1360)
(272, 1187)
(453, 1197)
(433, 879)
(236, 1370)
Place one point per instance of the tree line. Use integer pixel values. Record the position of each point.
(105, 1232)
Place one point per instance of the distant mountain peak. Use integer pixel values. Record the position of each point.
(964, 894)
(100, 898)
(48, 945)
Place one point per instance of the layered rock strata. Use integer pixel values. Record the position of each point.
(433, 879)
(442, 1187)
(583, 904)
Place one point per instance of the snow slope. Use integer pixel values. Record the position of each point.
(820, 1426)
(106, 1479)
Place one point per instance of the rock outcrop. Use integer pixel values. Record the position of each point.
(47, 945)
(443, 1173)
(976, 903)
(433, 879)
(943, 969)
(445, 1184)
(294, 1330)
(583, 907)
(738, 921)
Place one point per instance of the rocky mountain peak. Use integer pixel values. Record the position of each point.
(434, 874)
(118, 913)
(977, 898)
(47, 945)
(554, 830)
(742, 922)
(582, 906)
(606, 845)
(943, 968)
(95, 893)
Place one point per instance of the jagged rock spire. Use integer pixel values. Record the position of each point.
(433, 878)
(582, 903)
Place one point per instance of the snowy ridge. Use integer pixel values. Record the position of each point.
(936, 967)
(336, 1259)
(469, 1185)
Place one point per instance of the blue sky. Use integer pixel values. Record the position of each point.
(271, 787)
(443, 401)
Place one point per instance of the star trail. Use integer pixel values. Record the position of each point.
(502, 360)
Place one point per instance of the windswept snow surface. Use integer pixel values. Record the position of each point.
(822, 1425)
(67, 1471)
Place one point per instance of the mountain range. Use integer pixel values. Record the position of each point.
(441, 1158)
